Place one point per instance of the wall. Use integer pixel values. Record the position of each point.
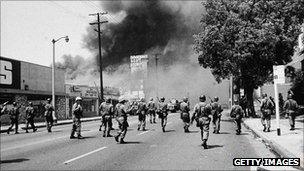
(39, 77)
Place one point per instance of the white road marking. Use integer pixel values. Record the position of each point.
(143, 132)
(68, 161)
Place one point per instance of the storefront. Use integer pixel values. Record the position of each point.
(25, 82)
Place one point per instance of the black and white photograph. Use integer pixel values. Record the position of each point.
(152, 85)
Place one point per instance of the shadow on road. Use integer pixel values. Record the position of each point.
(214, 146)
(170, 130)
(132, 142)
(224, 133)
(14, 160)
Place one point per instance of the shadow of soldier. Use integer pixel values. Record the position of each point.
(14, 160)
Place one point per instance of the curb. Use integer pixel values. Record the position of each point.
(55, 124)
(278, 149)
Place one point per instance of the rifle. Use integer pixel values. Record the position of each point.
(210, 99)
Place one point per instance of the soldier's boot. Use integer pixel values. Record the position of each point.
(204, 144)
(238, 132)
(122, 141)
(80, 137)
(164, 129)
(104, 134)
(264, 130)
(116, 138)
(144, 129)
(268, 130)
(100, 128)
(26, 131)
(292, 128)
(72, 135)
(35, 130)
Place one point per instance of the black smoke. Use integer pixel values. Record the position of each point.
(146, 26)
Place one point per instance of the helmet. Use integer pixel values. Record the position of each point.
(142, 99)
(49, 99)
(108, 100)
(14, 103)
(121, 100)
(151, 99)
(185, 99)
(30, 103)
(162, 99)
(202, 98)
(216, 98)
(78, 98)
(289, 96)
(264, 95)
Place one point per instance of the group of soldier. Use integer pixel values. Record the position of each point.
(203, 113)
(290, 108)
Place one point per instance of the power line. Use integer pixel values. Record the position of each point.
(108, 15)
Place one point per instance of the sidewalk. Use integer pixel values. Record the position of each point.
(60, 122)
(288, 145)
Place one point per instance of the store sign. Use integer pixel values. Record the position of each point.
(90, 92)
(138, 63)
(279, 74)
(9, 73)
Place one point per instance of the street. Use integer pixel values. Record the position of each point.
(144, 150)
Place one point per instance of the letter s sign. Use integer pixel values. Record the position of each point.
(6, 76)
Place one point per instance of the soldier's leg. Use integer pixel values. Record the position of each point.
(139, 122)
(73, 129)
(109, 127)
(123, 134)
(33, 125)
(292, 121)
(11, 127)
(16, 126)
(239, 126)
(27, 122)
(144, 122)
(154, 116)
(46, 123)
(78, 126)
(150, 113)
(104, 127)
(214, 123)
(218, 124)
(263, 122)
(268, 119)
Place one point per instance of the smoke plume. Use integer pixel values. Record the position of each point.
(146, 27)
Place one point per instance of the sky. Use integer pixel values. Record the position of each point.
(28, 27)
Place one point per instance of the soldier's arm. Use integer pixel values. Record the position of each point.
(232, 111)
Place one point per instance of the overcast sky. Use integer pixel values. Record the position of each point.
(27, 28)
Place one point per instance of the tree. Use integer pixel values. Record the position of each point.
(298, 86)
(245, 38)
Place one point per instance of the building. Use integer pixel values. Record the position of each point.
(23, 81)
(90, 98)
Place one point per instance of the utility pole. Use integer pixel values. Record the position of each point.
(156, 62)
(99, 45)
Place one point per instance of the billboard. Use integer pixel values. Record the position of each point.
(9, 73)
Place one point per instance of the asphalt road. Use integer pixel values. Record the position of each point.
(144, 150)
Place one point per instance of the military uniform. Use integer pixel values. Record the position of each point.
(266, 108)
(30, 114)
(162, 114)
(185, 116)
(122, 119)
(216, 116)
(151, 111)
(14, 117)
(49, 116)
(290, 107)
(142, 111)
(76, 115)
(107, 111)
(202, 111)
(237, 113)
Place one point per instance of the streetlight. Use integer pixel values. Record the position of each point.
(53, 71)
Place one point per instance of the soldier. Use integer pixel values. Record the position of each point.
(48, 115)
(76, 115)
(14, 117)
(202, 115)
(266, 109)
(216, 113)
(237, 113)
(3, 109)
(185, 116)
(30, 114)
(290, 107)
(162, 112)
(142, 111)
(121, 117)
(151, 110)
(107, 112)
